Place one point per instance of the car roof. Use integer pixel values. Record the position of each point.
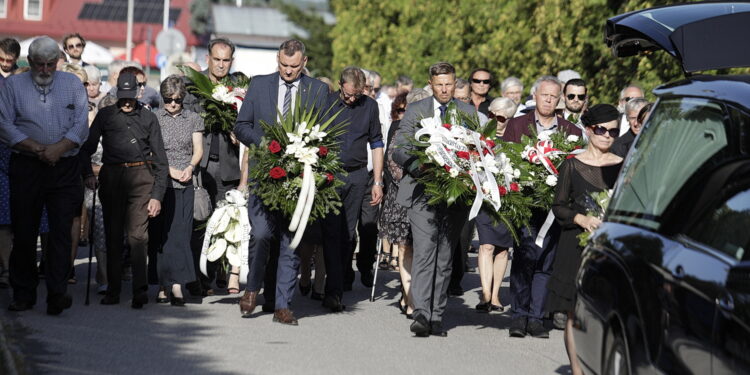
(731, 88)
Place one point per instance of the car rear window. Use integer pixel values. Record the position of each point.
(680, 136)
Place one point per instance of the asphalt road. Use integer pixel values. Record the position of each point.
(209, 337)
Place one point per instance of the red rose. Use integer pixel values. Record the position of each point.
(576, 147)
(329, 177)
(462, 154)
(490, 143)
(503, 190)
(447, 168)
(485, 151)
(323, 150)
(514, 187)
(277, 173)
(274, 147)
(570, 156)
(229, 88)
(447, 126)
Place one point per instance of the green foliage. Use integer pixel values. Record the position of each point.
(200, 17)
(518, 38)
(318, 43)
(218, 114)
(282, 193)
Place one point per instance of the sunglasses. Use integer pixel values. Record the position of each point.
(600, 130)
(497, 118)
(581, 97)
(170, 100)
(401, 110)
(141, 84)
(485, 81)
(77, 45)
(85, 84)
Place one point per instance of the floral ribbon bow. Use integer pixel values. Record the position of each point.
(541, 154)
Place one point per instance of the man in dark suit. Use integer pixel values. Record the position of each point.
(268, 96)
(533, 257)
(220, 166)
(435, 228)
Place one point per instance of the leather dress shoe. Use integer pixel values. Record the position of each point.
(333, 303)
(139, 300)
(536, 329)
(303, 290)
(268, 307)
(420, 326)
(284, 316)
(484, 307)
(455, 291)
(110, 300)
(316, 296)
(248, 301)
(20, 306)
(366, 278)
(517, 327)
(176, 301)
(58, 303)
(436, 329)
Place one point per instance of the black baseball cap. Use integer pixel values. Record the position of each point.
(127, 86)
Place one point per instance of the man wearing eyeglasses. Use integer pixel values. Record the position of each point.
(533, 256)
(73, 45)
(630, 91)
(339, 237)
(10, 49)
(44, 119)
(481, 82)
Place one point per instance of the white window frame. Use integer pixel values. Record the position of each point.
(32, 17)
(3, 8)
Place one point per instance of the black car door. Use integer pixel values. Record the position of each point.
(726, 228)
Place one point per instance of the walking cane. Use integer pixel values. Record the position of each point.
(92, 224)
(375, 275)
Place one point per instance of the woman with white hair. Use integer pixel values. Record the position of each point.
(501, 110)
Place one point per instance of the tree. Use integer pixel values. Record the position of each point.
(519, 38)
(319, 40)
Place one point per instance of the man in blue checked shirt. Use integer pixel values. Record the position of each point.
(44, 119)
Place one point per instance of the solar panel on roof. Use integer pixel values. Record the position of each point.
(145, 11)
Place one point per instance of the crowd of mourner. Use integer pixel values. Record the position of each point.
(124, 163)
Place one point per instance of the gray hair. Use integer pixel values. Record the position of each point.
(375, 75)
(503, 105)
(622, 92)
(95, 76)
(173, 85)
(566, 75)
(292, 46)
(416, 95)
(44, 48)
(404, 81)
(461, 83)
(220, 41)
(369, 77)
(635, 104)
(510, 82)
(550, 79)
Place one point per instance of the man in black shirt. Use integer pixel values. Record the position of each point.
(361, 113)
(133, 181)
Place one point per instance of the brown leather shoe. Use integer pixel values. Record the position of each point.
(284, 316)
(248, 301)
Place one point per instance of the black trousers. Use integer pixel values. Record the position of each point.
(125, 192)
(339, 231)
(33, 185)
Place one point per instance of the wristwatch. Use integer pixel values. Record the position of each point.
(378, 183)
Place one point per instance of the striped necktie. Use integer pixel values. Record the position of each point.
(287, 99)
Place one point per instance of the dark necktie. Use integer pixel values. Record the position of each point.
(442, 109)
(287, 99)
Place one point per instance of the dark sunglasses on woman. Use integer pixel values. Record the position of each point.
(497, 118)
(600, 130)
(170, 100)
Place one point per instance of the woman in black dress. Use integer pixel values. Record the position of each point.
(393, 224)
(494, 238)
(593, 170)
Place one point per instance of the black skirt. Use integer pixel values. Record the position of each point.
(491, 233)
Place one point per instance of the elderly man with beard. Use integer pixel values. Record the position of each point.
(43, 118)
(533, 256)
